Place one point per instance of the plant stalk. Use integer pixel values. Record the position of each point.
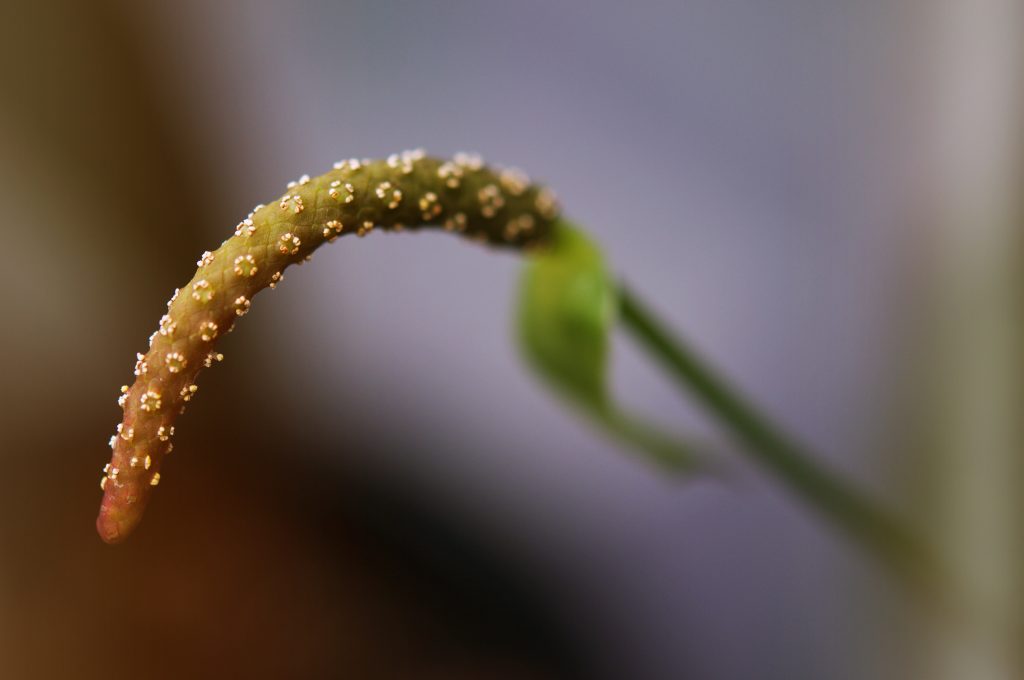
(791, 463)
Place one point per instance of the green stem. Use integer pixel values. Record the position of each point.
(790, 462)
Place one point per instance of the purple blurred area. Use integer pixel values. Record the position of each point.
(372, 485)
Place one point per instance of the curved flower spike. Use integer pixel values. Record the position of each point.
(407, 190)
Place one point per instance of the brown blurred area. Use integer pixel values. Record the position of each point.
(260, 566)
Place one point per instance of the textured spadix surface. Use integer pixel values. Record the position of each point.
(405, 191)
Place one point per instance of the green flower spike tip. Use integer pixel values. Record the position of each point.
(406, 191)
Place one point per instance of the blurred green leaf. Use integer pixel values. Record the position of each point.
(567, 309)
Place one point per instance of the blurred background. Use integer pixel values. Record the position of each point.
(823, 196)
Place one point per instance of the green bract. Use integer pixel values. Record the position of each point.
(568, 308)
